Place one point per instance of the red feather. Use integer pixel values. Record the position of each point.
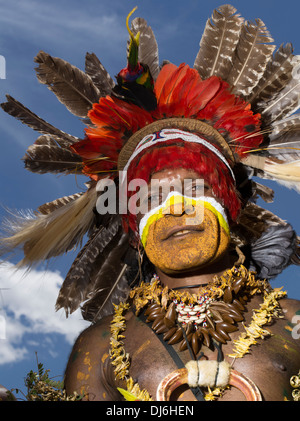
(165, 73)
(204, 92)
(180, 92)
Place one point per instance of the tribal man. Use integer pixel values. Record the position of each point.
(175, 278)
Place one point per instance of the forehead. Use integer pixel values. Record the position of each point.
(176, 174)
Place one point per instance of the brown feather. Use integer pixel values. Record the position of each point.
(251, 57)
(19, 111)
(285, 173)
(286, 102)
(277, 75)
(218, 42)
(110, 285)
(74, 88)
(99, 75)
(148, 49)
(80, 280)
(252, 223)
(49, 207)
(46, 156)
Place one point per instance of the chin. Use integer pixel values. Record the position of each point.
(184, 267)
(181, 268)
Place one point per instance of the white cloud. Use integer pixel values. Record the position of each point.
(27, 308)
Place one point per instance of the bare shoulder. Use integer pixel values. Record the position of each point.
(89, 371)
(291, 309)
(96, 334)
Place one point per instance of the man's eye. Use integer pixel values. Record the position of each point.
(154, 200)
(197, 189)
(153, 197)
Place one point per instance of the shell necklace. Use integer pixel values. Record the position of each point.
(196, 319)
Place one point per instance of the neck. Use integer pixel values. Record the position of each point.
(201, 276)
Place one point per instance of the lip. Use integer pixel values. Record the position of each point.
(186, 229)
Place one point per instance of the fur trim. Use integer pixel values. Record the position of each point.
(48, 235)
(208, 373)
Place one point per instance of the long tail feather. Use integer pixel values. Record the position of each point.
(19, 111)
(43, 236)
(46, 156)
(277, 75)
(148, 49)
(99, 75)
(252, 55)
(218, 43)
(80, 280)
(110, 285)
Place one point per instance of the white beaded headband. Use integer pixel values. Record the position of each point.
(169, 134)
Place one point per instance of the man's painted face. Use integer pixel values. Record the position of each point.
(186, 230)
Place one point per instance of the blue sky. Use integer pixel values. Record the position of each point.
(68, 29)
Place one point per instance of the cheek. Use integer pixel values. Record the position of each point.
(195, 250)
(154, 247)
(224, 242)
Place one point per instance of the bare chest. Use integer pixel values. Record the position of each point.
(269, 364)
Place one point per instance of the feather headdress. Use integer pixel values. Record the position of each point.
(241, 95)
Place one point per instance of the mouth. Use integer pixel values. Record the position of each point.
(178, 232)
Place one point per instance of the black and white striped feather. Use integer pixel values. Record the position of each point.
(250, 59)
(277, 75)
(286, 102)
(110, 282)
(99, 75)
(218, 42)
(284, 139)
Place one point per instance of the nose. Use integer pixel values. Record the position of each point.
(179, 206)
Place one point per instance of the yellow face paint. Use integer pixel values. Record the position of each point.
(176, 204)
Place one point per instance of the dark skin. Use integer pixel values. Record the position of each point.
(270, 364)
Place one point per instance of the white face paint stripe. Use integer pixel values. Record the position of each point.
(169, 134)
